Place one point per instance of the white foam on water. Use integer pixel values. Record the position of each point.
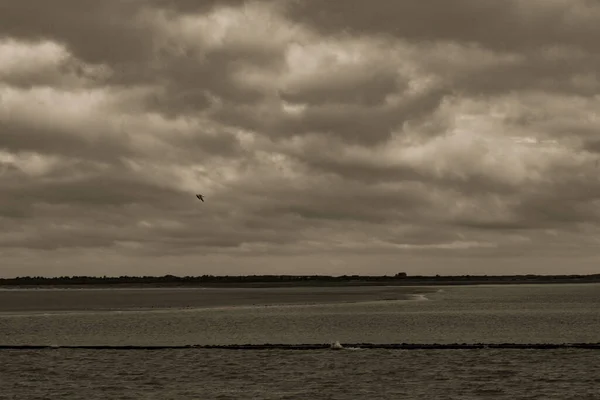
(418, 297)
(336, 346)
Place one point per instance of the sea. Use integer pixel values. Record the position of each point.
(369, 342)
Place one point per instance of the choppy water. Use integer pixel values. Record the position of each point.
(473, 314)
(228, 374)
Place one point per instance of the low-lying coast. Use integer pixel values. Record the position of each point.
(323, 346)
(264, 281)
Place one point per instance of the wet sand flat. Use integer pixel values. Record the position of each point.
(23, 300)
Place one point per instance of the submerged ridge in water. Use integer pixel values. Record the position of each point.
(320, 346)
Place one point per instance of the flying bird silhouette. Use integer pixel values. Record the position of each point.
(200, 197)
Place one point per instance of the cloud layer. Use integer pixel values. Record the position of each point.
(429, 137)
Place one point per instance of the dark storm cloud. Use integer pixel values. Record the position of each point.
(499, 25)
(110, 146)
(53, 140)
(193, 6)
(551, 43)
(355, 124)
(30, 63)
(71, 233)
(325, 128)
(97, 32)
(363, 86)
(341, 201)
(76, 184)
(565, 203)
(193, 81)
(562, 204)
(493, 225)
(104, 129)
(593, 146)
(372, 170)
(562, 72)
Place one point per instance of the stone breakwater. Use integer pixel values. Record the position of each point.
(270, 346)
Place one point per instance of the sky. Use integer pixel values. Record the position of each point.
(328, 137)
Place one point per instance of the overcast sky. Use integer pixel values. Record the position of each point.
(328, 137)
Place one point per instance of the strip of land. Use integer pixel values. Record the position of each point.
(400, 279)
(108, 299)
(324, 346)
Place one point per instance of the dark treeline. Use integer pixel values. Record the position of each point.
(398, 279)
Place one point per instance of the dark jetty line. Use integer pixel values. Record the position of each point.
(269, 346)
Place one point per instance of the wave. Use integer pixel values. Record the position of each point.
(418, 297)
(325, 346)
(338, 346)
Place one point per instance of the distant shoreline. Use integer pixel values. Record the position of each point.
(283, 281)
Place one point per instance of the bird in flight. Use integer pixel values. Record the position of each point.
(200, 197)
